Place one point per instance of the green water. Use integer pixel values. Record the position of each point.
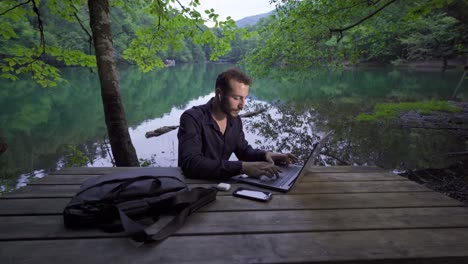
(42, 126)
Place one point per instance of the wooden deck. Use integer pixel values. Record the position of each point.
(333, 214)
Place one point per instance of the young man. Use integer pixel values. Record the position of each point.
(210, 133)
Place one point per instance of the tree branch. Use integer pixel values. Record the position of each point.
(108, 151)
(90, 37)
(41, 32)
(40, 25)
(340, 30)
(16, 6)
(326, 153)
(461, 79)
(186, 10)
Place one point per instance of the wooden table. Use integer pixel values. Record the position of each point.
(333, 214)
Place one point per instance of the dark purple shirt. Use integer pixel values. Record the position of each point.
(204, 151)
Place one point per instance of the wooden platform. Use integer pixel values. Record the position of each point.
(333, 214)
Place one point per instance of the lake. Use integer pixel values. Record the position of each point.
(47, 129)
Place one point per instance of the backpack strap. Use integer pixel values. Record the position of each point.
(190, 201)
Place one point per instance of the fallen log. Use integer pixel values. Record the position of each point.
(160, 131)
(253, 113)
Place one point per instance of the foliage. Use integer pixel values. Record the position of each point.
(391, 110)
(37, 37)
(30, 51)
(306, 34)
(439, 36)
(151, 162)
(75, 157)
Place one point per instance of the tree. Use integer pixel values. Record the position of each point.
(3, 144)
(121, 144)
(170, 27)
(313, 33)
(439, 40)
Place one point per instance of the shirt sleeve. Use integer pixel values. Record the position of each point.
(245, 152)
(191, 159)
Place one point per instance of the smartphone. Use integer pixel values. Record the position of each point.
(252, 194)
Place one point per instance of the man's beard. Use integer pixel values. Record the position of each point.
(225, 108)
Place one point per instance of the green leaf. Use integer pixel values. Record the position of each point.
(9, 76)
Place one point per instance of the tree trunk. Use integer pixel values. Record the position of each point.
(117, 129)
(3, 144)
(459, 10)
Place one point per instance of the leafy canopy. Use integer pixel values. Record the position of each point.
(28, 47)
(310, 33)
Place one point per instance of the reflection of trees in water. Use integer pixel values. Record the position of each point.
(283, 129)
(40, 125)
(294, 128)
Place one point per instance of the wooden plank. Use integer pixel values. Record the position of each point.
(65, 179)
(203, 223)
(345, 169)
(356, 187)
(77, 179)
(49, 191)
(308, 177)
(351, 176)
(418, 245)
(106, 170)
(279, 202)
(68, 191)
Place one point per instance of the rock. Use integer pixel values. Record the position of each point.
(437, 120)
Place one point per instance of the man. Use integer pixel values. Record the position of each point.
(210, 133)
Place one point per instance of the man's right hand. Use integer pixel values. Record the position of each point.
(257, 169)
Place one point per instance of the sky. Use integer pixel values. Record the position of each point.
(236, 9)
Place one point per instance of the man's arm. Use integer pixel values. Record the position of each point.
(191, 159)
(245, 152)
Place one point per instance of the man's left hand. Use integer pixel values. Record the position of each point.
(280, 158)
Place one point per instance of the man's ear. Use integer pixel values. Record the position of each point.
(219, 93)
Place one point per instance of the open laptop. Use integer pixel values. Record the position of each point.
(289, 174)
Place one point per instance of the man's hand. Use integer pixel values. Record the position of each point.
(280, 159)
(257, 169)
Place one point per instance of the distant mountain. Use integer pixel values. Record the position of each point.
(251, 20)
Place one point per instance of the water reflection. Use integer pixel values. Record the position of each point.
(42, 125)
(310, 107)
(290, 127)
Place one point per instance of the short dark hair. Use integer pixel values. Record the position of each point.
(222, 81)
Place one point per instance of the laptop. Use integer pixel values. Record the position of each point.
(289, 174)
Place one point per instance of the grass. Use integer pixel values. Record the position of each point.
(392, 110)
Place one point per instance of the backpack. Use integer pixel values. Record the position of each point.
(124, 201)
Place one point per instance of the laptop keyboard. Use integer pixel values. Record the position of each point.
(285, 175)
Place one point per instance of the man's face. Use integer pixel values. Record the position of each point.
(234, 100)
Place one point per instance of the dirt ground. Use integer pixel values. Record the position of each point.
(452, 180)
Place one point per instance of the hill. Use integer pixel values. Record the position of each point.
(251, 20)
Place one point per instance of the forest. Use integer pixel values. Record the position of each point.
(405, 31)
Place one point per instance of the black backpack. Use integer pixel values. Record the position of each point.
(124, 201)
